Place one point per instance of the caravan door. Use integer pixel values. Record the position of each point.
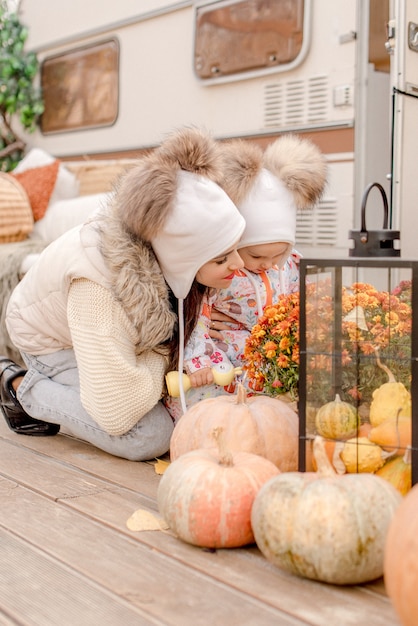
(403, 44)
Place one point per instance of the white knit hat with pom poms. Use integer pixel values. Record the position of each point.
(268, 188)
(173, 200)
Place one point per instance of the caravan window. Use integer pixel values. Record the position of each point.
(80, 88)
(242, 36)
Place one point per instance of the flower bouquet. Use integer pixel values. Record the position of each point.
(271, 354)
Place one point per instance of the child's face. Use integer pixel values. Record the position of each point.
(263, 257)
(219, 272)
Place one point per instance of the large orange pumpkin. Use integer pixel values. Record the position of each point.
(261, 425)
(324, 526)
(206, 496)
(401, 559)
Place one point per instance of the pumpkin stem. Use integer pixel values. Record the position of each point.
(391, 377)
(323, 463)
(241, 394)
(225, 456)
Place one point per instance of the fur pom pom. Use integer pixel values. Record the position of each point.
(300, 165)
(192, 150)
(241, 163)
(147, 193)
(144, 199)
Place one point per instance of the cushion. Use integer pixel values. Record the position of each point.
(65, 214)
(66, 185)
(39, 183)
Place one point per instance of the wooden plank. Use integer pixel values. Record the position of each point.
(6, 620)
(120, 471)
(36, 589)
(67, 450)
(171, 593)
(247, 570)
(243, 569)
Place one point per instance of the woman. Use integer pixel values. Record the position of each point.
(94, 317)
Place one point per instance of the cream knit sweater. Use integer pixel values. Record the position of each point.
(117, 386)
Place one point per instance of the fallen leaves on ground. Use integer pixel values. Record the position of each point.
(144, 520)
(161, 466)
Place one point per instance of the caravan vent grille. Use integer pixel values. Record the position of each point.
(318, 227)
(296, 102)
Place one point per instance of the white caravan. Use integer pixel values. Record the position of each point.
(119, 75)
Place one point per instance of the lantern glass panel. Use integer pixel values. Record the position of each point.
(356, 326)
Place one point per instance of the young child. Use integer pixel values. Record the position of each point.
(268, 188)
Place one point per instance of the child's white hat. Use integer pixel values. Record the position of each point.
(269, 188)
(172, 199)
(270, 214)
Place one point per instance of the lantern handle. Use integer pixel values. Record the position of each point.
(363, 206)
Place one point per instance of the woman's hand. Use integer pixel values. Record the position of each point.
(219, 322)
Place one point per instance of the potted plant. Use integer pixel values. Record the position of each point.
(20, 99)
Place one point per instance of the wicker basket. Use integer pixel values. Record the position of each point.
(16, 217)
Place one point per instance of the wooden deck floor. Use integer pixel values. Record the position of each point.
(68, 558)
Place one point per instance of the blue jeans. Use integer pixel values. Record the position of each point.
(50, 391)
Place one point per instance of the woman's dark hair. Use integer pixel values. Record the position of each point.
(192, 306)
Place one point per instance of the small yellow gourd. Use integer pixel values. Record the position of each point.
(398, 471)
(389, 400)
(336, 420)
(361, 455)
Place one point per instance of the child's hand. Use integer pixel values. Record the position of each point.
(201, 377)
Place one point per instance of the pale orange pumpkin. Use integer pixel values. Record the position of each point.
(261, 425)
(206, 495)
(401, 559)
(324, 526)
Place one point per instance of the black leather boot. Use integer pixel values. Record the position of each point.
(17, 419)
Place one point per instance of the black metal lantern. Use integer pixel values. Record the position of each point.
(358, 326)
(374, 243)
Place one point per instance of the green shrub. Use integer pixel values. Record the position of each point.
(20, 100)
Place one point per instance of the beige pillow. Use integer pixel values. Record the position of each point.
(64, 215)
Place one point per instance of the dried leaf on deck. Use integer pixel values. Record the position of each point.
(161, 466)
(144, 520)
